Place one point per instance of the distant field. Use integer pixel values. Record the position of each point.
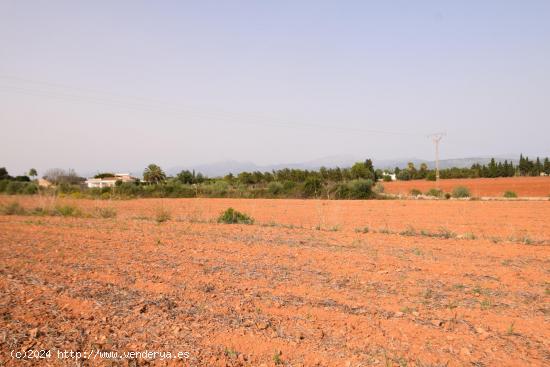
(523, 186)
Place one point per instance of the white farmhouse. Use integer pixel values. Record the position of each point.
(392, 175)
(109, 181)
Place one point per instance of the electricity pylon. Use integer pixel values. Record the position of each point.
(436, 138)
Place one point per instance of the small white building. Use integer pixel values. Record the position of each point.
(393, 176)
(109, 181)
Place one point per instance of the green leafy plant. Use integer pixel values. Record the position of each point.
(232, 216)
(415, 192)
(277, 358)
(461, 192)
(67, 211)
(510, 194)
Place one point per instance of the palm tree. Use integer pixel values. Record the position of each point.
(154, 174)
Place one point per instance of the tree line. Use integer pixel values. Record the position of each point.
(356, 182)
(525, 167)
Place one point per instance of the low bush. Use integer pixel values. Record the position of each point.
(14, 187)
(354, 189)
(106, 212)
(404, 175)
(415, 192)
(232, 216)
(510, 194)
(3, 185)
(67, 211)
(461, 192)
(312, 187)
(18, 187)
(275, 188)
(435, 193)
(430, 176)
(162, 215)
(13, 208)
(30, 189)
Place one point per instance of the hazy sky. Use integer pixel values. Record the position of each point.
(115, 85)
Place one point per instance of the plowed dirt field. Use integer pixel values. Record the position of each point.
(311, 283)
(492, 187)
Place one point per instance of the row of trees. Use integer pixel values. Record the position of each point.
(4, 175)
(18, 184)
(347, 183)
(357, 181)
(360, 170)
(525, 167)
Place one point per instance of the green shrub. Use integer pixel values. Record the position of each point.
(30, 189)
(510, 194)
(275, 188)
(67, 211)
(386, 178)
(312, 187)
(404, 175)
(13, 208)
(231, 216)
(461, 192)
(66, 188)
(415, 192)
(214, 189)
(435, 193)
(354, 189)
(430, 176)
(360, 189)
(288, 186)
(3, 185)
(220, 188)
(128, 189)
(15, 187)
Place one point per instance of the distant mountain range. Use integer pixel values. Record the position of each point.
(223, 168)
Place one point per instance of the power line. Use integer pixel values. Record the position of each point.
(59, 91)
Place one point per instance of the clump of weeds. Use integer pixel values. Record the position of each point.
(232, 216)
(162, 215)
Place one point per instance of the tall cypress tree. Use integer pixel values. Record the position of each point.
(538, 167)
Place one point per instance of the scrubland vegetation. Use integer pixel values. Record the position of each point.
(360, 181)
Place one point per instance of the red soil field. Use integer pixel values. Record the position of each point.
(495, 187)
(300, 287)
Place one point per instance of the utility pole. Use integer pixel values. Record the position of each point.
(436, 138)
